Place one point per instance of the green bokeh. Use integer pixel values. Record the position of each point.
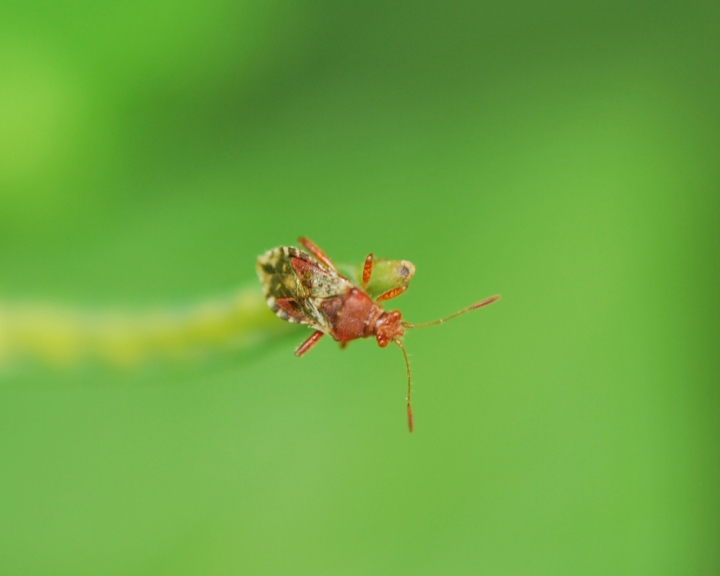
(563, 154)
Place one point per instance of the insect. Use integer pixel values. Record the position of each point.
(306, 288)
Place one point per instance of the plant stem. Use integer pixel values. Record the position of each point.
(64, 335)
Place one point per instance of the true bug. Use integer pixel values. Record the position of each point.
(306, 288)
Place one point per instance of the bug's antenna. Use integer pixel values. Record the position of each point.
(459, 313)
(409, 388)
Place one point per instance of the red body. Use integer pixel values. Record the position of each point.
(309, 290)
(356, 315)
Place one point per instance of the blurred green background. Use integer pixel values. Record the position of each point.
(564, 154)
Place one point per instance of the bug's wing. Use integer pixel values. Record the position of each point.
(295, 284)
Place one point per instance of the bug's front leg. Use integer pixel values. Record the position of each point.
(309, 343)
(367, 270)
(394, 293)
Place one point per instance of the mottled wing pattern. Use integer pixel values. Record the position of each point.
(295, 285)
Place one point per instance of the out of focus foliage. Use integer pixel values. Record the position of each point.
(562, 154)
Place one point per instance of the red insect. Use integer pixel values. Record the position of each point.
(306, 288)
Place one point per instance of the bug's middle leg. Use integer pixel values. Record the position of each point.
(309, 343)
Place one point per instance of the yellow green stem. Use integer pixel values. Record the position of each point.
(63, 335)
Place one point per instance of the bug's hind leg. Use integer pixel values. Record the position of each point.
(317, 252)
(309, 343)
(343, 345)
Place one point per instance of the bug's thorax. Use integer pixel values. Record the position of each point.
(356, 315)
(351, 315)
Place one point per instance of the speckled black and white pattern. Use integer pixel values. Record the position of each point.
(304, 292)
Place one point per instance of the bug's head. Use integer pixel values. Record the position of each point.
(389, 327)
